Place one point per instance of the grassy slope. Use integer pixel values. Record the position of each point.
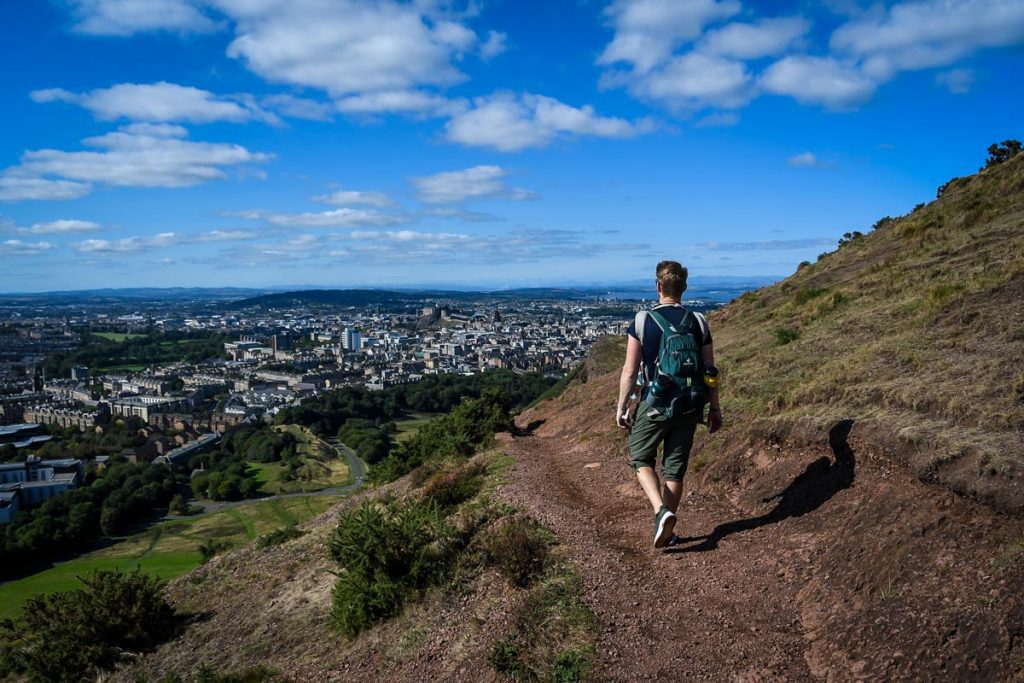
(914, 330)
(321, 467)
(168, 549)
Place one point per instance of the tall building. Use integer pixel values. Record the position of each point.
(80, 374)
(352, 340)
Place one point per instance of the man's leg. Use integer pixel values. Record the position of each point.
(649, 483)
(671, 494)
(678, 442)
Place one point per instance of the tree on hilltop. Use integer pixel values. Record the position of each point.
(1002, 151)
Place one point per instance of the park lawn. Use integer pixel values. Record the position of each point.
(407, 428)
(314, 475)
(122, 368)
(116, 336)
(168, 549)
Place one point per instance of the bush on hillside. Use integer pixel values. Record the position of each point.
(458, 434)
(73, 635)
(1001, 152)
(388, 552)
(450, 489)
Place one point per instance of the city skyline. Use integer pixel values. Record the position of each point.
(164, 143)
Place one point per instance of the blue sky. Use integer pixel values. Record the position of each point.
(489, 143)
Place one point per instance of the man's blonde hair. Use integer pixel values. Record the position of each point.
(672, 278)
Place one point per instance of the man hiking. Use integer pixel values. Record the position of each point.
(673, 346)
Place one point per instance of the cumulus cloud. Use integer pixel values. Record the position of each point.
(957, 81)
(819, 80)
(452, 187)
(398, 102)
(16, 187)
(60, 227)
(509, 123)
(648, 31)
(19, 248)
(929, 33)
(226, 236)
(804, 160)
(159, 102)
(350, 197)
(348, 46)
(493, 46)
(125, 17)
(336, 218)
(136, 155)
(695, 80)
(751, 41)
(299, 107)
(127, 245)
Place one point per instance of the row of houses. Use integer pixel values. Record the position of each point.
(30, 483)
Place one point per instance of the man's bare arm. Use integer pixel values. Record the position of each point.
(715, 414)
(627, 380)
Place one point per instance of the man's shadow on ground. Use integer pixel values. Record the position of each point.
(822, 479)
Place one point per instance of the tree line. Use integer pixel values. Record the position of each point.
(118, 497)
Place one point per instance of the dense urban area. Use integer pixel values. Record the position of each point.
(111, 408)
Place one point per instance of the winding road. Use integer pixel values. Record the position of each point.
(356, 467)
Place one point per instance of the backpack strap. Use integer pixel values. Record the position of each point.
(703, 322)
(664, 324)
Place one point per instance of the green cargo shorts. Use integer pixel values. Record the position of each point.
(677, 435)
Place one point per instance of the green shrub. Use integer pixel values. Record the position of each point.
(72, 635)
(450, 489)
(785, 335)
(504, 657)
(519, 548)
(388, 552)
(212, 548)
(552, 633)
(279, 536)
(572, 666)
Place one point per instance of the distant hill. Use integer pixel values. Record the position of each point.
(369, 297)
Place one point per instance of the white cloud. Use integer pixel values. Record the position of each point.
(350, 197)
(398, 101)
(806, 160)
(158, 102)
(336, 218)
(19, 248)
(957, 81)
(61, 227)
(773, 245)
(472, 183)
(493, 46)
(648, 31)
(408, 236)
(818, 80)
(718, 119)
(226, 236)
(752, 41)
(510, 123)
(299, 107)
(137, 155)
(929, 33)
(128, 244)
(347, 46)
(696, 80)
(16, 187)
(125, 17)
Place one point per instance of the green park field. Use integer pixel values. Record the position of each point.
(168, 549)
(321, 468)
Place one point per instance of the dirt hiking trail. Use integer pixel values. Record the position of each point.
(808, 557)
